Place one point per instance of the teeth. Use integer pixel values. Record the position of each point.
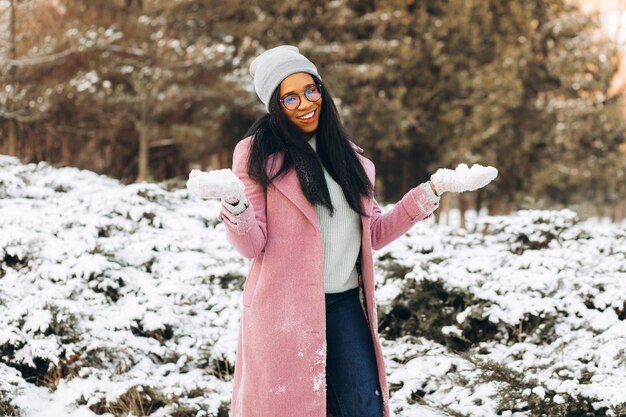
(307, 116)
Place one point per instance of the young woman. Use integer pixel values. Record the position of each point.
(308, 341)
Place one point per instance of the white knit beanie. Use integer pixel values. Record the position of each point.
(273, 66)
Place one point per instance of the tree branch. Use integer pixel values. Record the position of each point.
(21, 117)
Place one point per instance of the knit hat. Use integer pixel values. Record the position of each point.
(273, 66)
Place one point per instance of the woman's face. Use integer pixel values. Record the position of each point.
(298, 83)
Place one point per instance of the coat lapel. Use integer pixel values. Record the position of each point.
(289, 185)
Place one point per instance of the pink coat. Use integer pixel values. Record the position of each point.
(281, 350)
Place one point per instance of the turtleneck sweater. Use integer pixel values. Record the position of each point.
(341, 234)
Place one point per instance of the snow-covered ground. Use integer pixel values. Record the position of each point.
(117, 299)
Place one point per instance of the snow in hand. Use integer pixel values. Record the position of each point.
(133, 294)
(217, 183)
(463, 178)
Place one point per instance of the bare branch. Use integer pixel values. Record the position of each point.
(122, 100)
(45, 59)
(22, 117)
(36, 60)
(117, 48)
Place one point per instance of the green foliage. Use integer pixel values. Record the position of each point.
(522, 393)
(63, 323)
(230, 280)
(426, 307)
(393, 269)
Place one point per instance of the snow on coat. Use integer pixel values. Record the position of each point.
(281, 350)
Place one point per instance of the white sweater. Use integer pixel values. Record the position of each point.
(341, 238)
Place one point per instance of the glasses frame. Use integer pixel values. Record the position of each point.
(282, 100)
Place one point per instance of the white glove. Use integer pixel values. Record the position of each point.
(217, 183)
(463, 178)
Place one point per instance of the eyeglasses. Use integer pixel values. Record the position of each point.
(292, 101)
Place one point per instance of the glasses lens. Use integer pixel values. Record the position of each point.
(313, 93)
(292, 101)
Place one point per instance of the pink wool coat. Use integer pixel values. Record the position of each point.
(281, 351)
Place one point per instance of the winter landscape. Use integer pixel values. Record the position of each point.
(124, 300)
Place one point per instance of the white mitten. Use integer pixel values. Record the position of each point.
(463, 178)
(217, 183)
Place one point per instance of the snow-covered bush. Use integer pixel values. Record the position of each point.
(14, 249)
(105, 286)
(532, 229)
(521, 318)
(428, 309)
(11, 386)
(118, 298)
(36, 339)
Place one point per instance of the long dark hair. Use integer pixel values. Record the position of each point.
(273, 132)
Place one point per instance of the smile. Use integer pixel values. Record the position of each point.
(307, 116)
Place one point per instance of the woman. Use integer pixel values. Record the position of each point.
(309, 222)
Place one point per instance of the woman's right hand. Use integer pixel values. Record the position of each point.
(218, 183)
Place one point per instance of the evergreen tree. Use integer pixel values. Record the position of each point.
(520, 85)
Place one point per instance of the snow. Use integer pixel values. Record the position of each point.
(217, 183)
(463, 178)
(135, 286)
